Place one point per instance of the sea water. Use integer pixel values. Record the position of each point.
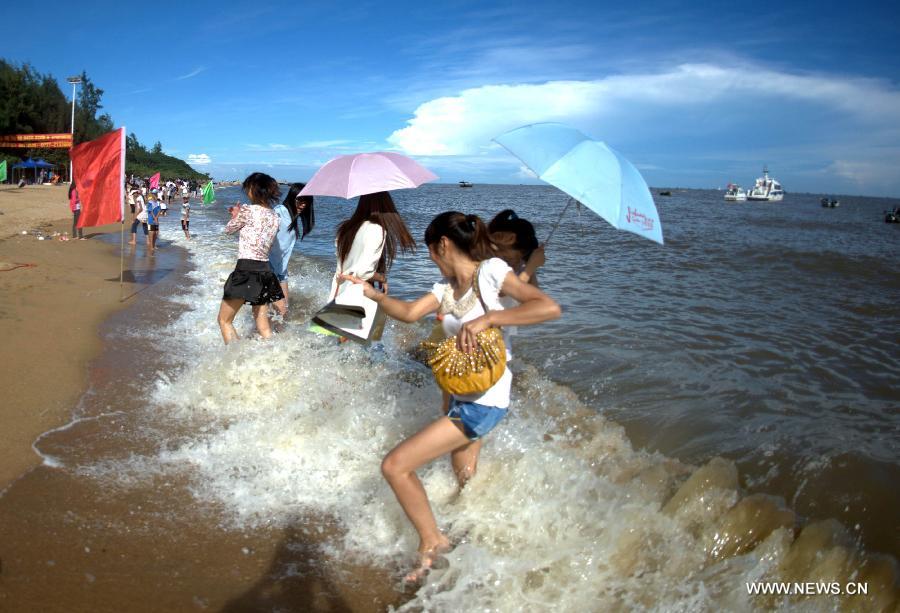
(762, 333)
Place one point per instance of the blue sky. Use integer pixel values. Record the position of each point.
(694, 95)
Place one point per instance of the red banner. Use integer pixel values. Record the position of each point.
(154, 181)
(36, 141)
(99, 168)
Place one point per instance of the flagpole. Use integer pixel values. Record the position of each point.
(122, 216)
(122, 261)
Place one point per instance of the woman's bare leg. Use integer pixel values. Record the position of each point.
(465, 461)
(281, 306)
(399, 466)
(227, 311)
(261, 315)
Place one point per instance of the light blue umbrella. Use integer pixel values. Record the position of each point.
(589, 171)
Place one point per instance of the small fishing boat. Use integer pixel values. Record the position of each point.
(830, 203)
(665, 193)
(892, 216)
(734, 193)
(465, 184)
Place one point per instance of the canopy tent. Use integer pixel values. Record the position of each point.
(35, 164)
(26, 163)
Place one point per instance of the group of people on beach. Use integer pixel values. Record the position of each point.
(148, 204)
(487, 279)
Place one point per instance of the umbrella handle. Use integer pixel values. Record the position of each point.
(556, 225)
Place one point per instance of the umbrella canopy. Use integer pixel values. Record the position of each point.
(26, 163)
(589, 171)
(349, 176)
(42, 163)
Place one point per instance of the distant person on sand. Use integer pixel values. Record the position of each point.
(140, 217)
(460, 247)
(186, 215)
(294, 213)
(252, 281)
(153, 212)
(75, 207)
(161, 197)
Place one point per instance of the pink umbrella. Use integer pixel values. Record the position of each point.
(349, 176)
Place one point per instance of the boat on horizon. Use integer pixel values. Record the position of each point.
(734, 193)
(465, 184)
(766, 189)
(830, 203)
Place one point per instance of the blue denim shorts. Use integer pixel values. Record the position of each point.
(476, 419)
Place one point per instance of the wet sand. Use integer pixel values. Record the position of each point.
(53, 296)
(74, 543)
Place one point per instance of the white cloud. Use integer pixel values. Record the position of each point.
(465, 123)
(325, 144)
(526, 173)
(198, 159)
(191, 74)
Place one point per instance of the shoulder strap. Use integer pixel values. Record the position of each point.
(476, 286)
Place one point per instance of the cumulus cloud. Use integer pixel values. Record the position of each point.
(465, 123)
(198, 159)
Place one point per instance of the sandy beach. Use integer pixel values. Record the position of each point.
(53, 296)
(70, 543)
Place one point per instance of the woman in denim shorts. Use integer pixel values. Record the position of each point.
(460, 247)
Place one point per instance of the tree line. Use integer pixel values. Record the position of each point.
(33, 103)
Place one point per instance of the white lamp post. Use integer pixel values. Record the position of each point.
(74, 81)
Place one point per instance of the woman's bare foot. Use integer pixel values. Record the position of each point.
(427, 555)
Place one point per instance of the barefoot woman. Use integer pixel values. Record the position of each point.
(458, 244)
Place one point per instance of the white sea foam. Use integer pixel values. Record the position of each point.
(563, 514)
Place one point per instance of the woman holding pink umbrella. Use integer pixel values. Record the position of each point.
(367, 243)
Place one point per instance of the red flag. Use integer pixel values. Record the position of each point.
(99, 169)
(154, 181)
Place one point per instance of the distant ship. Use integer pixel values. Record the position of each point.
(734, 193)
(766, 189)
(465, 184)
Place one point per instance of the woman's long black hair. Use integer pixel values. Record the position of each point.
(377, 208)
(307, 217)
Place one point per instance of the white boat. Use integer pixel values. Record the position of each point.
(766, 189)
(734, 193)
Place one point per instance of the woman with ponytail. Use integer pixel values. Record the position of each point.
(515, 241)
(294, 213)
(460, 246)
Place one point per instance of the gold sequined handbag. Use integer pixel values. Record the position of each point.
(461, 373)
